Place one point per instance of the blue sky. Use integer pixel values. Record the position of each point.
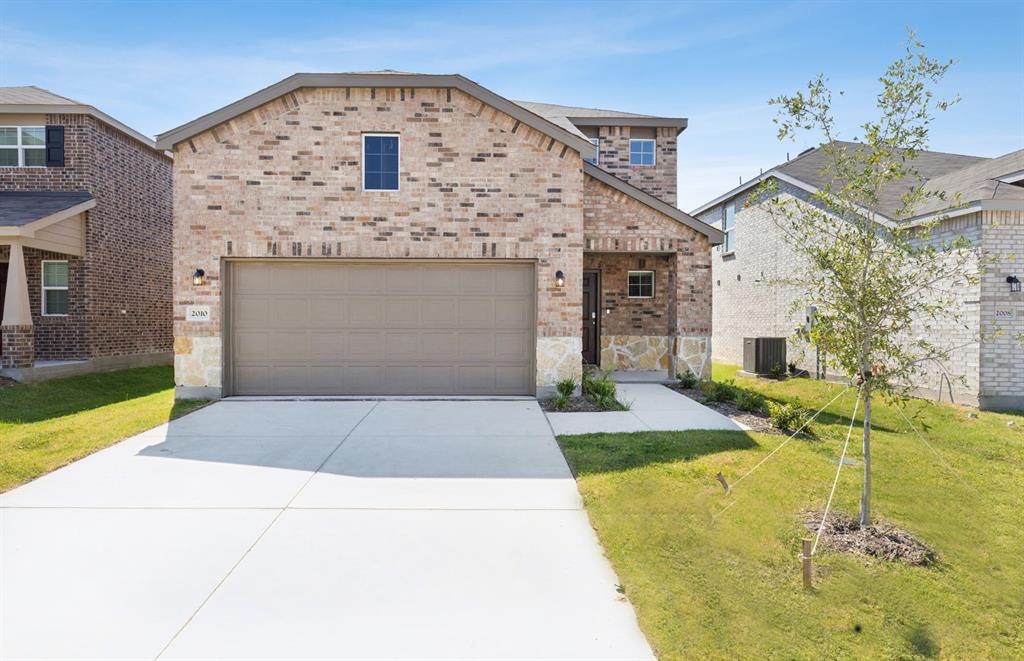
(157, 65)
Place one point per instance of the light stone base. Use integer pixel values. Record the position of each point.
(634, 352)
(691, 353)
(197, 363)
(558, 358)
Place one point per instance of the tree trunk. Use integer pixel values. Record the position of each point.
(865, 495)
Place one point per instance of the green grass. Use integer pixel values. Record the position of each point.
(732, 589)
(46, 425)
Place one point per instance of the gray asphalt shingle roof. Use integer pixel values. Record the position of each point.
(33, 95)
(929, 165)
(23, 207)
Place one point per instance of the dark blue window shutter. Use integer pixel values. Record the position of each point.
(54, 146)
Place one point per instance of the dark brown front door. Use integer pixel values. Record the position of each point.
(591, 317)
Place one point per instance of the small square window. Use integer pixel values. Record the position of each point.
(380, 162)
(55, 288)
(641, 284)
(641, 152)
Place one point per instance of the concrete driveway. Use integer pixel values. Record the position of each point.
(314, 529)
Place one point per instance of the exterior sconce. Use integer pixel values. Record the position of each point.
(1014, 283)
(199, 278)
(559, 279)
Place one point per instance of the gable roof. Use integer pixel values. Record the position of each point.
(392, 79)
(680, 216)
(573, 117)
(939, 171)
(32, 100)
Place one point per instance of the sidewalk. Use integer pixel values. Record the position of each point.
(653, 407)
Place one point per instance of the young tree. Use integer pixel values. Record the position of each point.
(879, 282)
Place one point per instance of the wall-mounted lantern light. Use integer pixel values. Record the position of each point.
(199, 278)
(1014, 283)
(559, 278)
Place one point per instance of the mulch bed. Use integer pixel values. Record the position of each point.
(580, 404)
(5, 382)
(880, 540)
(756, 421)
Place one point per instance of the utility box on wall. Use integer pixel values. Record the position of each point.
(763, 354)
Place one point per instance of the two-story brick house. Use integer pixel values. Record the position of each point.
(388, 233)
(85, 232)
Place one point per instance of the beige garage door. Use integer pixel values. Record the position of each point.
(384, 328)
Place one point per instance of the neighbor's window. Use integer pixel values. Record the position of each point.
(597, 151)
(55, 288)
(22, 146)
(380, 161)
(729, 227)
(641, 284)
(641, 152)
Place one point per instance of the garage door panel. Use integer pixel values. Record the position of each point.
(326, 327)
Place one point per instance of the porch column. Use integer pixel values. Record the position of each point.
(18, 349)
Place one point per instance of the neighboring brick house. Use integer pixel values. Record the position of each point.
(85, 233)
(388, 233)
(988, 352)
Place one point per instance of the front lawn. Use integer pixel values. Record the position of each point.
(732, 589)
(46, 425)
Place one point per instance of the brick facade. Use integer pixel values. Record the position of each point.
(747, 305)
(17, 348)
(119, 293)
(660, 179)
(283, 181)
(672, 330)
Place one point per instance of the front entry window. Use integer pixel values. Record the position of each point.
(641, 284)
(55, 288)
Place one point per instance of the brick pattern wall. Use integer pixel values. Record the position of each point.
(660, 180)
(1002, 356)
(16, 346)
(284, 181)
(674, 329)
(744, 307)
(621, 315)
(120, 293)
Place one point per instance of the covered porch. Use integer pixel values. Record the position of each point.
(42, 243)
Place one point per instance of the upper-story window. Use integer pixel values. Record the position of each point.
(597, 152)
(22, 146)
(641, 152)
(380, 161)
(729, 227)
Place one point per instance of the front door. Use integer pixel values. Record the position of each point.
(591, 318)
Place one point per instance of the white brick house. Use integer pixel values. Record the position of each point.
(992, 217)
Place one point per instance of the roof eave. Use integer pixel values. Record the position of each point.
(678, 123)
(30, 228)
(75, 109)
(715, 235)
(168, 139)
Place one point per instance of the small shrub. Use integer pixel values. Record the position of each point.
(777, 371)
(719, 391)
(787, 417)
(561, 402)
(566, 387)
(688, 379)
(749, 401)
(601, 389)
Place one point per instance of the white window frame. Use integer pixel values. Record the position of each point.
(597, 149)
(362, 169)
(20, 148)
(654, 152)
(640, 272)
(65, 288)
(729, 231)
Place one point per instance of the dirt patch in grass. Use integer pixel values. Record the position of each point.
(881, 540)
(7, 383)
(755, 420)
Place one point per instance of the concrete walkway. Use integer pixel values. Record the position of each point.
(288, 530)
(652, 407)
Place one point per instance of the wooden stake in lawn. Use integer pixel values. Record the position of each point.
(805, 560)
